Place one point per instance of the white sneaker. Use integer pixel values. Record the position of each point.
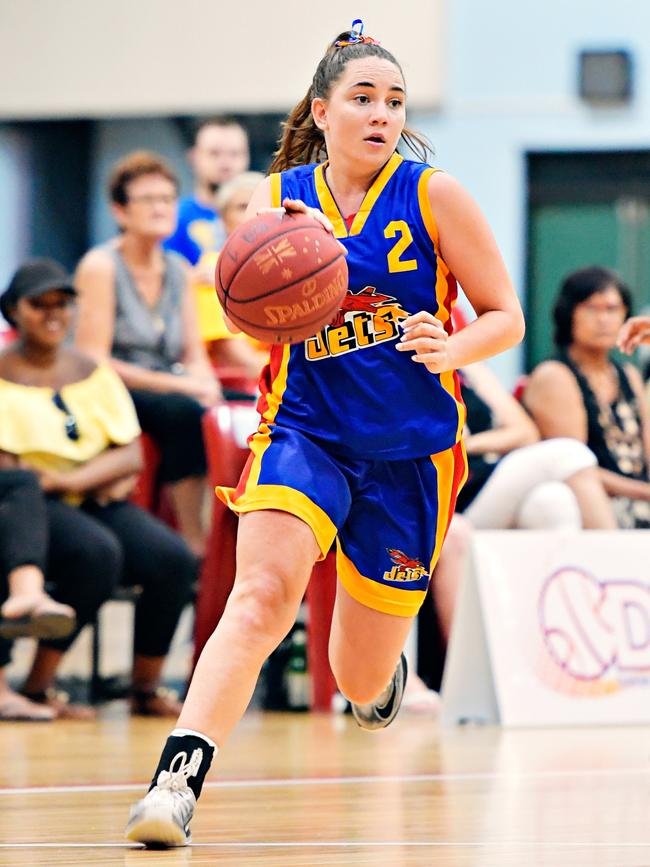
(162, 818)
(379, 715)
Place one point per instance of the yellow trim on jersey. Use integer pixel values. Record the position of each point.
(276, 190)
(331, 209)
(448, 382)
(278, 386)
(463, 478)
(442, 286)
(374, 192)
(445, 464)
(425, 206)
(283, 499)
(327, 203)
(261, 440)
(372, 594)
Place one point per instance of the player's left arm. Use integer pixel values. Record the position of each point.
(467, 245)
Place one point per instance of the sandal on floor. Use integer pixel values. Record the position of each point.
(48, 619)
(155, 702)
(18, 708)
(59, 702)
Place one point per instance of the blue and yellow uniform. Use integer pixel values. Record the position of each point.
(356, 439)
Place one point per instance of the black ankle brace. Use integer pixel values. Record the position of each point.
(187, 744)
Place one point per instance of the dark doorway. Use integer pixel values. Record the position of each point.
(584, 208)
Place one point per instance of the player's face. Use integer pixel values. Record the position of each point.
(364, 115)
(151, 207)
(45, 320)
(220, 154)
(598, 319)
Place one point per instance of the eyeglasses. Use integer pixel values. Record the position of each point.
(71, 429)
(599, 309)
(150, 200)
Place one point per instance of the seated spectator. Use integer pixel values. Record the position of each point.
(27, 610)
(225, 348)
(135, 309)
(72, 422)
(586, 394)
(515, 481)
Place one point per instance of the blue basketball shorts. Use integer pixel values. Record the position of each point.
(389, 518)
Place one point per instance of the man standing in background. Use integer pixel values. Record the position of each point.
(220, 153)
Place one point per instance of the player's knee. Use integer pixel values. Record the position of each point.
(262, 607)
(358, 685)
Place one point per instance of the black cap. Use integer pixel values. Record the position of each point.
(34, 277)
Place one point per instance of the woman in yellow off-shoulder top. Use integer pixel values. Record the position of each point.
(73, 423)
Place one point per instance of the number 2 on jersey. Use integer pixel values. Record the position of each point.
(395, 262)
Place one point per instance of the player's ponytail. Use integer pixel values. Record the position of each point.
(301, 141)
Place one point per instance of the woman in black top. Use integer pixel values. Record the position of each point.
(589, 395)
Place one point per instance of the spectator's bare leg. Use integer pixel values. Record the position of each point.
(27, 593)
(43, 671)
(188, 496)
(17, 707)
(595, 507)
(146, 672)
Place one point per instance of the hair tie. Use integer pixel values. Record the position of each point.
(356, 36)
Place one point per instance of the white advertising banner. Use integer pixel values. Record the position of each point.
(552, 629)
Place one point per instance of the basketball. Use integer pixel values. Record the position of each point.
(281, 277)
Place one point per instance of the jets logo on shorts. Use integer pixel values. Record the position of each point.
(405, 568)
(365, 319)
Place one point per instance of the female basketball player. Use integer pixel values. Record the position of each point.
(360, 435)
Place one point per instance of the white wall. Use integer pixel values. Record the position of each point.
(92, 58)
(504, 75)
(512, 87)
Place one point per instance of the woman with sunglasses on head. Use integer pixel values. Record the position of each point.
(72, 422)
(360, 431)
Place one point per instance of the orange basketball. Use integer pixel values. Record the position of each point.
(281, 277)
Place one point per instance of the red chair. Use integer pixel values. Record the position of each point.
(234, 379)
(520, 387)
(226, 459)
(146, 491)
(7, 336)
(227, 455)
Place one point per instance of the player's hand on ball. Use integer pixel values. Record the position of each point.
(297, 206)
(633, 333)
(425, 336)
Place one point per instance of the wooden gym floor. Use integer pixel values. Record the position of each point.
(314, 790)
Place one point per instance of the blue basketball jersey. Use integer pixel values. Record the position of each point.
(348, 387)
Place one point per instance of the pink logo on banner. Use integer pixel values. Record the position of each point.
(593, 628)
